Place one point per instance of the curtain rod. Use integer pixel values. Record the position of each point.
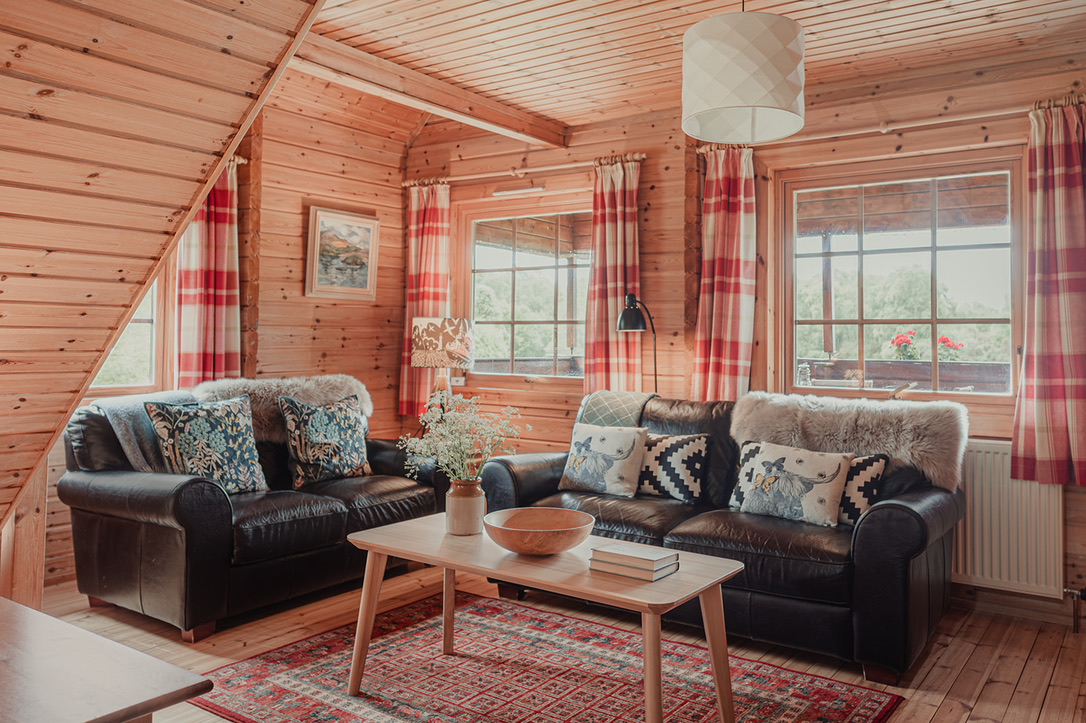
(522, 172)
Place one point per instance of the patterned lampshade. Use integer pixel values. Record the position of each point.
(440, 343)
(743, 78)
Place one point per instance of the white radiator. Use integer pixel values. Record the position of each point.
(1012, 534)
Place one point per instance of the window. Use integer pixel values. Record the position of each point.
(140, 360)
(529, 290)
(904, 279)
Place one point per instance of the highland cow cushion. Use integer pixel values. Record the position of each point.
(605, 460)
(674, 466)
(213, 440)
(325, 442)
(795, 484)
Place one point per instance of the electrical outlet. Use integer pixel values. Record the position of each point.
(457, 381)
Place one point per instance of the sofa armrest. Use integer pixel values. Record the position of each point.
(521, 479)
(901, 553)
(160, 544)
(171, 500)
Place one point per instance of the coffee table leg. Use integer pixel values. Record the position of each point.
(712, 616)
(448, 606)
(367, 610)
(650, 651)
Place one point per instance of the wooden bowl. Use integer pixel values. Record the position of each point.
(538, 530)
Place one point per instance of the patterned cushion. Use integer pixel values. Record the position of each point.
(674, 466)
(795, 484)
(604, 459)
(213, 440)
(325, 442)
(862, 487)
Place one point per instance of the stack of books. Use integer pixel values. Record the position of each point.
(639, 561)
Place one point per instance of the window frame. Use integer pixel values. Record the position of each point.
(165, 309)
(466, 213)
(991, 414)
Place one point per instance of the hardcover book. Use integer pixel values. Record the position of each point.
(643, 556)
(640, 573)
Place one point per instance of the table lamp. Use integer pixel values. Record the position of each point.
(442, 343)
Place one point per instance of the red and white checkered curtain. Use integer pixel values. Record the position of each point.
(1049, 442)
(428, 233)
(724, 336)
(208, 308)
(613, 360)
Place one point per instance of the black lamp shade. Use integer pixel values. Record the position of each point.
(631, 318)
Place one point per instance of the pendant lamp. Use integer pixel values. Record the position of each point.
(743, 78)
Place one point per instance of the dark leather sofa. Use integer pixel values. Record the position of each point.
(179, 549)
(871, 594)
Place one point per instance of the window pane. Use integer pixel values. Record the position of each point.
(572, 293)
(826, 287)
(571, 350)
(533, 349)
(827, 355)
(575, 246)
(534, 295)
(536, 241)
(974, 209)
(493, 244)
(974, 358)
(897, 215)
(131, 362)
(493, 296)
(974, 283)
(827, 220)
(896, 354)
(897, 285)
(492, 348)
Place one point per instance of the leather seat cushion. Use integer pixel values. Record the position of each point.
(377, 500)
(279, 523)
(637, 519)
(782, 557)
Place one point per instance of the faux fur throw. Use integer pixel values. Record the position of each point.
(268, 424)
(930, 436)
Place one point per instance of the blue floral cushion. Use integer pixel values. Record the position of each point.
(213, 440)
(326, 442)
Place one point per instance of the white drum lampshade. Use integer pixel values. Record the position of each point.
(743, 78)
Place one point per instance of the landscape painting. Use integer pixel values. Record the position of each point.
(342, 255)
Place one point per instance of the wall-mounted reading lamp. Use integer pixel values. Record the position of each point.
(631, 319)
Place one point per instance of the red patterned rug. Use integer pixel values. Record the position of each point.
(513, 663)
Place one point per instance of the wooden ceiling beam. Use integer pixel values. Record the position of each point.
(344, 65)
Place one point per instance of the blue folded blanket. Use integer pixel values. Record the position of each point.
(133, 427)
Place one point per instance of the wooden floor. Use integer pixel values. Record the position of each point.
(979, 667)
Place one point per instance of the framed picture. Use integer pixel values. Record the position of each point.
(341, 257)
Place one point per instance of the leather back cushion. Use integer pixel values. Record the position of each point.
(91, 444)
(681, 416)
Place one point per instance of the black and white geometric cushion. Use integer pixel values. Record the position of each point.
(862, 487)
(674, 466)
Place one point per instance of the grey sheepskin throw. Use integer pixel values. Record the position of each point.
(930, 436)
(268, 424)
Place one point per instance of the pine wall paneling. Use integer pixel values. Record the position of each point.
(325, 145)
(114, 116)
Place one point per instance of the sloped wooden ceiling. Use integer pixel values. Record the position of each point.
(114, 116)
(583, 61)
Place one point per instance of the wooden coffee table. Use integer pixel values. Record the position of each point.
(56, 672)
(567, 573)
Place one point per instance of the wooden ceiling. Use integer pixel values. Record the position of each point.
(114, 117)
(581, 61)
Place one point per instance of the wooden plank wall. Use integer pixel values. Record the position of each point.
(323, 145)
(445, 148)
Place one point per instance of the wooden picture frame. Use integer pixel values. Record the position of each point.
(341, 254)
